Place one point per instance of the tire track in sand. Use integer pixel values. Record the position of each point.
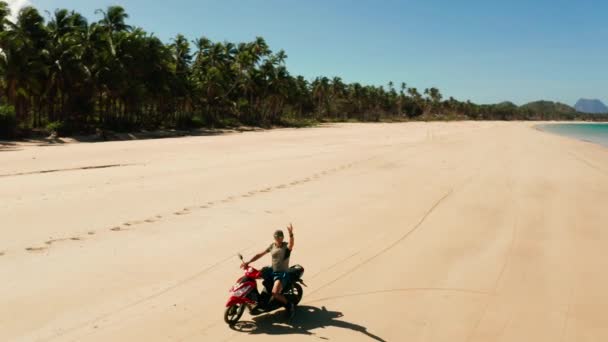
(392, 245)
(140, 300)
(81, 168)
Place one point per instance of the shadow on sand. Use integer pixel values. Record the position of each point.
(8, 146)
(307, 318)
(105, 135)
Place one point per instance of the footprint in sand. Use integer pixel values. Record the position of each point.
(36, 249)
(204, 207)
(117, 229)
(135, 223)
(159, 217)
(91, 233)
(150, 220)
(2, 253)
(250, 194)
(282, 186)
(184, 211)
(52, 241)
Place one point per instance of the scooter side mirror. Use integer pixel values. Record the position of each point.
(240, 256)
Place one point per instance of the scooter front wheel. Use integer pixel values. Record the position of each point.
(295, 294)
(233, 313)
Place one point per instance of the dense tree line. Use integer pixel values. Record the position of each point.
(66, 73)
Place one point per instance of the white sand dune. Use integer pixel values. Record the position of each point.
(408, 232)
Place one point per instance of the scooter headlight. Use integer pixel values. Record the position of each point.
(242, 291)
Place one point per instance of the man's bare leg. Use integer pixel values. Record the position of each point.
(276, 292)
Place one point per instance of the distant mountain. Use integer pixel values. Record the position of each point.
(549, 107)
(591, 106)
(506, 104)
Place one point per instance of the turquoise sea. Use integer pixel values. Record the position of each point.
(592, 132)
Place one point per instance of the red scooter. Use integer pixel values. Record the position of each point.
(245, 293)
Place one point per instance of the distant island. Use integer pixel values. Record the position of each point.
(69, 75)
(591, 106)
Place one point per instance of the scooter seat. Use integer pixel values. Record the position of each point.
(296, 272)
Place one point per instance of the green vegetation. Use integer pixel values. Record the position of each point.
(68, 75)
(8, 122)
(549, 108)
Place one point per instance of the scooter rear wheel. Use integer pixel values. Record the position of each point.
(233, 313)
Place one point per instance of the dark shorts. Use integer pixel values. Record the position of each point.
(282, 276)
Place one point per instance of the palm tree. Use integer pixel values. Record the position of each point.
(23, 46)
(110, 74)
(68, 76)
(183, 58)
(402, 98)
(5, 13)
(113, 21)
(433, 100)
(417, 102)
(321, 96)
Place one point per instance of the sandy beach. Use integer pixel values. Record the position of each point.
(464, 231)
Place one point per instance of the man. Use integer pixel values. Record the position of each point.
(280, 252)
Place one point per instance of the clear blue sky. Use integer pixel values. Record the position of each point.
(487, 51)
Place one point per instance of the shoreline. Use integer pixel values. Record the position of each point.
(539, 127)
(111, 136)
